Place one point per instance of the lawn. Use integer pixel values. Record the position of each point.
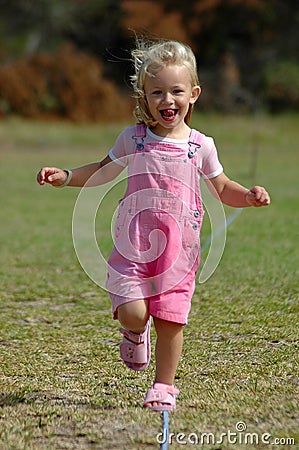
(63, 385)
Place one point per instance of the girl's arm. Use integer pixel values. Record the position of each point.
(101, 172)
(236, 195)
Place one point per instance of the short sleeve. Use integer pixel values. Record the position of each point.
(123, 147)
(209, 164)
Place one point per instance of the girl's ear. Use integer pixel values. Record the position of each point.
(195, 93)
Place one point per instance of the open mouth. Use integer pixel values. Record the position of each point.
(168, 114)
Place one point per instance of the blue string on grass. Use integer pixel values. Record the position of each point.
(228, 221)
(165, 431)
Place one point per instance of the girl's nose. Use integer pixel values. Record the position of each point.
(168, 98)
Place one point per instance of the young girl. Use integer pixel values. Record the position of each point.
(152, 268)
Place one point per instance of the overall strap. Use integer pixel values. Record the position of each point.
(140, 130)
(196, 137)
(140, 133)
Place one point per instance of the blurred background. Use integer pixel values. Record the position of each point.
(70, 58)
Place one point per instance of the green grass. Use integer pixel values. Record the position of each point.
(63, 385)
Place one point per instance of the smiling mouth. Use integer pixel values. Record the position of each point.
(168, 114)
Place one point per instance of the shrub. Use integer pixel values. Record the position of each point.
(282, 85)
(67, 83)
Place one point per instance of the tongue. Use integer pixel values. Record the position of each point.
(168, 113)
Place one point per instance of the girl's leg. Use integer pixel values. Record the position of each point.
(134, 315)
(168, 351)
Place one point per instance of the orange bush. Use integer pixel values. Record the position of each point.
(150, 17)
(68, 84)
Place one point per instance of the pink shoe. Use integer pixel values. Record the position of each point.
(161, 393)
(135, 349)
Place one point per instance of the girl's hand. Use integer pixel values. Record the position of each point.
(52, 175)
(258, 196)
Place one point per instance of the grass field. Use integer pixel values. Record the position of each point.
(63, 385)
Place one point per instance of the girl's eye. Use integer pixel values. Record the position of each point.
(178, 91)
(157, 92)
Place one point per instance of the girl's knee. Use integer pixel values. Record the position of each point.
(166, 327)
(133, 315)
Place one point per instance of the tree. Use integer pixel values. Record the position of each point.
(242, 38)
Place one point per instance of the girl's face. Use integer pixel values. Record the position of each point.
(169, 94)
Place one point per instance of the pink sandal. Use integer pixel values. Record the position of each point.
(135, 349)
(161, 393)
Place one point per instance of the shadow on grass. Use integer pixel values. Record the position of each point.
(12, 398)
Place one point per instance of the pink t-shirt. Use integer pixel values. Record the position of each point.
(207, 159)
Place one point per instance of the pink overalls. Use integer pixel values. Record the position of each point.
(157, 249)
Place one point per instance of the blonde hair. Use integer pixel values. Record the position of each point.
(150, 57)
